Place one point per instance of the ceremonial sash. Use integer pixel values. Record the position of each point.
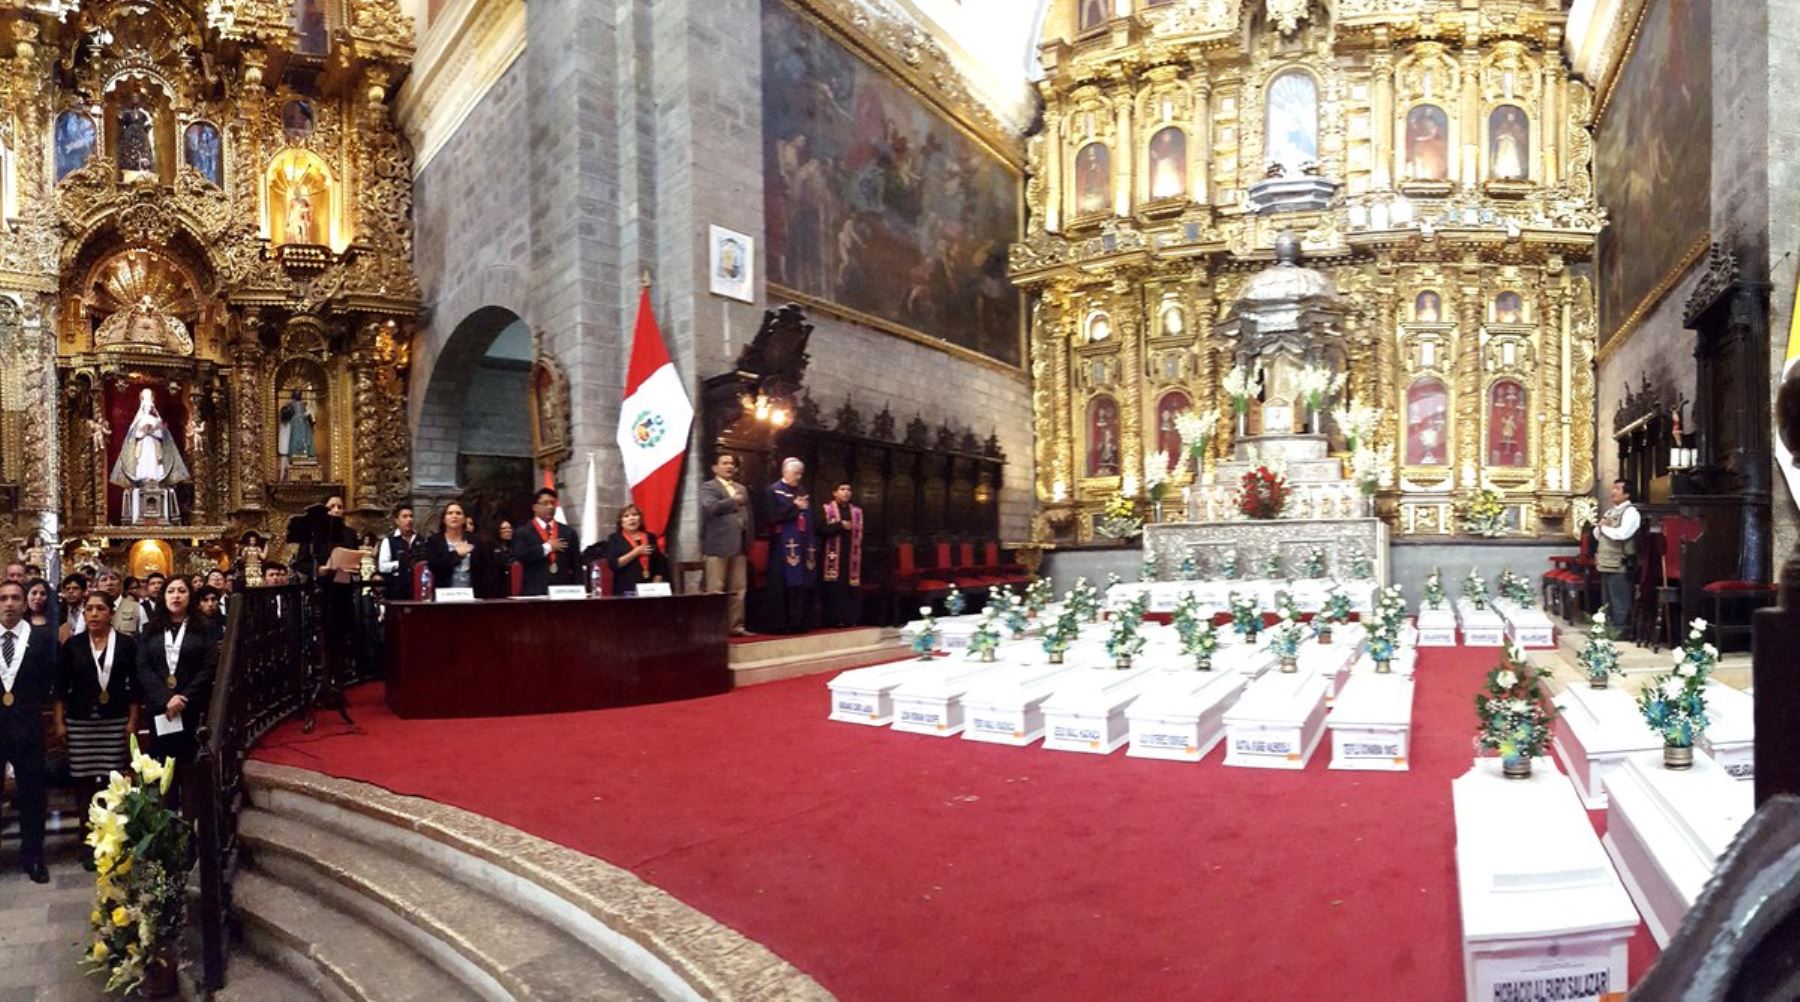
(643, 561)
(834, 551)
(546, 536)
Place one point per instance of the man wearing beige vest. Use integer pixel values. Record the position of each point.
(725, 535)
(1615, 547)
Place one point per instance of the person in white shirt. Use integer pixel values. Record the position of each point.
(1615, 550)
(398, 553)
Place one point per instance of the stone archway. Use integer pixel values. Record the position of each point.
(473, 438)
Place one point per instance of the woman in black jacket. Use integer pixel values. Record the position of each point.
(97, 693)
(176, 656)
(633, 552)
(455, 558)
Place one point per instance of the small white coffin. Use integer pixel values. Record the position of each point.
(866, 695)
(1597, 729)
(1529, 628)
(1244, 659)
(1371, 723)
(1180, 716)
(1437, 627)
(1086, 713)
(932, 704)
(953, 631)
(1536, 924)
(1666, 829)
(1331, 661)
(1007, 707)
(1730, 735)
(1277, 722)
(1480, 627)
(1405, 660)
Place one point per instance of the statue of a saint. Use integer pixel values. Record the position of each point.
(299, 228)
(137, 137)
(295, 439)
(148, 457)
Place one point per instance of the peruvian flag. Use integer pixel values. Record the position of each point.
(653, 421)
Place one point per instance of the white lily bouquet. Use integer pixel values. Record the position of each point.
(1285, 640)
(1315, 562)
(925, 642)
(1475, 589)
(140, 863)
(1241, 385)
(1197, 431)
(1674, 705)
(1060, 634)
(1246, 616)
(1126, 638)
(1318, 385)
(1367, 470)
(1434, 590)
(1038, 595)
(955, 602)
(986, 638)
(1159, 469)
(1358, 423)
(1147, 572)
(1599, 657)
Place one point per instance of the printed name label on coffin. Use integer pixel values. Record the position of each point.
(1354, 749)
(1065, 733)
(993, 726)
(918, 717)
(1576, 985)
(1154, 740)
(854, 706)
(1261, 746)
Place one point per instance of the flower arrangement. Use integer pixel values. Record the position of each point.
(1515, 588)
(1060, 634)
(1314, 566)
(1285, 606)
(1484, 515)
(1317, 385)
(1475, 589)
(1015, 614)
(1241, 385)
(1198, 636)
(1197, 431)
(1246, 616)
(1367, 469)
(1263, 493)
(999, 599)
(1385, 623)
(1434, 590)
(1159, 469)
(1126, 637)
(1358, 423)
(1120, 519)
(986, 638)
(1674, 705)
(1187, 616)
(1037, 595)
(1084, 599)
(1189, 569)
(140, 865)
(1228, 565)
(1148, 571)
(1515, 712)
(1285, 640)
(1335, 610)
(1599, 657)
(1360, 568)
(925, 642)
(1382, 649)
(955, 602)
(1272, 564)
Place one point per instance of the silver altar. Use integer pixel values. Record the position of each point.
(1344, 540)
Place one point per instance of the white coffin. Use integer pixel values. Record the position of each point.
(1277, 722)
(953, 631)
(866, 695)
(1666, 829)
(1536, 923)
(1086, 713)
(932, 704)
(1480, 627)
(1730, 736)
(1180, 716)
(1371, 723)
(1244, 659)
(1437, 628)
(1529, 628)
(1332, 661)
(1007, 708)
(1597, 729)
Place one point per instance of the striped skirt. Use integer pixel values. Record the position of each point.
(97, 747)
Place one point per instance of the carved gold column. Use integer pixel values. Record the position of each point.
(1124, 152)
(1128, 327)
(1470, 130)
(1060, 327)
(200, 459)
(1470, 457)
(1053, 159)
(1550, 119)
(1579, 334)
(247, 358)
(1387, 365)
(1203, 134)
(1381, 129)
(1553, 403)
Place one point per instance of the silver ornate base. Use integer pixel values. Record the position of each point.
(1346, 541)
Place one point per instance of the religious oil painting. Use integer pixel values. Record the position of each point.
(1507, 424)
(1427, 143)
(310, 27)
(1653, 162)
(74, 142)
(1168, 163)
(1168, 435)
(729, 262)
(297, 120)
(1092, 14)
(1428, 307)
(1093, 179)
(1103, 437)
(1293, 126)
(878, 205)
(200, 149)
(1509, 143)
(1509, 308)
(1427, 423)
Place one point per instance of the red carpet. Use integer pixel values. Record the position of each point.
(894, 866)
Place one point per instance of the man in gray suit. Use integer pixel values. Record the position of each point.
(725, 535)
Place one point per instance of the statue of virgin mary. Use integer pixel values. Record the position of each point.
(148, 457)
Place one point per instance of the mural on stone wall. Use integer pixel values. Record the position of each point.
(1653, 164)
(876, 204)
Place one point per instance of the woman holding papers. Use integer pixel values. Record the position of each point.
(97, 693)
(176, 655)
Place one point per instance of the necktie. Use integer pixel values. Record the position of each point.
(8, 646)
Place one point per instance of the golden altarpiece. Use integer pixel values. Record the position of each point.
(1433, 157)
(206, 295)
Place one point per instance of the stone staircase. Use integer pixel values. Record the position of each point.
(349, 892)
(771, 659)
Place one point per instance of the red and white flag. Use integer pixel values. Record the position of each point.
(653, 421)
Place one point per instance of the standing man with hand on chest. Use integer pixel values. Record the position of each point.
(841, 574)
(546, 548)
(27, 684)
(725, 537)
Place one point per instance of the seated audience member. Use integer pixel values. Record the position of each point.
(74, 589)
(37, 602)
(633, 552)
(97, 694)
(454, 558)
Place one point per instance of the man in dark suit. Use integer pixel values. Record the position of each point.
(399, 552)
(725, 535)
(546, 548)
(27, 681)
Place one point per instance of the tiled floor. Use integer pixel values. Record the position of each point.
(44, 927)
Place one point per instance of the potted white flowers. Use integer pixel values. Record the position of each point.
(1434, 590)
(1475, 590)
(1315, 562)
(1246, 616)
(1285, 640)
(1240, 386)
(925, 641)
(986, 638)
(1335, 610)
(1599, 657)
(1674, 704)
(1197, 431)
(1126, 638)
(1515, 713)
(1060, 634)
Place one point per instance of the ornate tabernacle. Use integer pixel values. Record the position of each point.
(205, 284)
(1434, 162)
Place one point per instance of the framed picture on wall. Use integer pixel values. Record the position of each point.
(731, 263)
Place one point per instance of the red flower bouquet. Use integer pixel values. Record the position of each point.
(1264, 494)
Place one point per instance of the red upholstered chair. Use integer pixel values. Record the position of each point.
(517, 582)
(1572, 580)
(758, 564)
(1734, 596)
(1675, 530)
